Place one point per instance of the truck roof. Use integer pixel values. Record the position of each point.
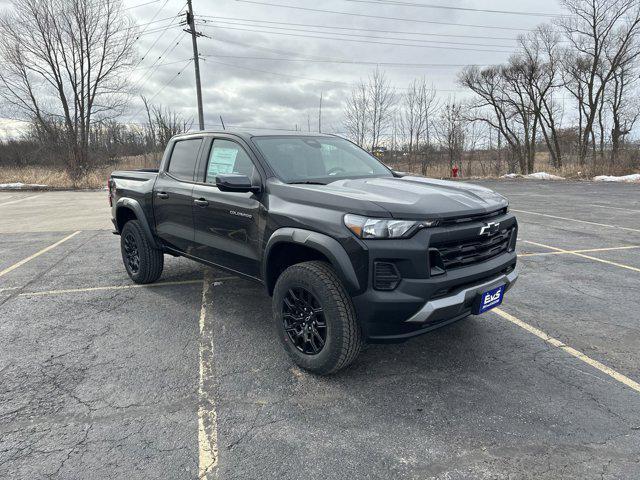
(248, 133)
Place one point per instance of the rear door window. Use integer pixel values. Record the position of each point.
(184, 158)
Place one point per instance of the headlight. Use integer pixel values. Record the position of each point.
(365, 227)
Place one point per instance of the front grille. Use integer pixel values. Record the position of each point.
(466, 252)
(480, 217)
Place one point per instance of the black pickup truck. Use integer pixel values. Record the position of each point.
(351, 251)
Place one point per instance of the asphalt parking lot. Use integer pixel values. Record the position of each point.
(100, 378)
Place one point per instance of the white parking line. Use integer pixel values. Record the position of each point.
(578, 221)
(588, 250)
(571, 351)
(111, 287)
(37, 254)
(207, 417)
(115, 287)
(614, 208)
(595, 259)
(8, 289)
(20, 200)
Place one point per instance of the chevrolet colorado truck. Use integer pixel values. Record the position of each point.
(350, 251)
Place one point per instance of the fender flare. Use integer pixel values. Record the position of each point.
(324, 244)
(135, 206)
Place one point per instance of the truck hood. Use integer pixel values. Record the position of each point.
(407, 197)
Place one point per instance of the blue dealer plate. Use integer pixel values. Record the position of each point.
(489, 300)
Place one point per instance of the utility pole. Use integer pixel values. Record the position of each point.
(196, 60)
(320, 115)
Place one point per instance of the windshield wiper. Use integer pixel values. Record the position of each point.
(306, 182)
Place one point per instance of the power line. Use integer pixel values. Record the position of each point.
(156, 14)
(352, 62)
(132, 27)
(167, 51)
(161, 33)
(244, 67)
(351, 29)
(160, 28)
(446, 7)
(161, 64)
(360, 41)
(265, 49)
(169, 82)
(351, 35)
(141, 5)
(387, 18)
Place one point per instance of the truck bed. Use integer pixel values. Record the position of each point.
(141, 175)
(136, 185)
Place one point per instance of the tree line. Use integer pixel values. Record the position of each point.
(65, 67)
(570, 91)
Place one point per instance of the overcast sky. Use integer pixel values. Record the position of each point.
(257, 79)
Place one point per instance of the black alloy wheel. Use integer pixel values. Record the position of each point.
(132, 255)
(315, 318)
(142, 261)
(304, 321)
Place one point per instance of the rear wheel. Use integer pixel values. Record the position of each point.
(143, 262)
(315, 319)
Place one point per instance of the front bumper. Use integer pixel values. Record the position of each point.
(422, 302)
(459, 304)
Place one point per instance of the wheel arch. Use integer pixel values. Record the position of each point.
(130, 209)
(288, 246)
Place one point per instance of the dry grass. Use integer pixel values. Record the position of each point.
(58, 178)
(483, 168)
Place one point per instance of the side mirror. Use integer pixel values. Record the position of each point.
(232, 182)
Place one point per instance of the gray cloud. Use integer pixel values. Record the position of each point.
(280, 93)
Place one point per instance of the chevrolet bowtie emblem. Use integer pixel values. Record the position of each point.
(490, 228)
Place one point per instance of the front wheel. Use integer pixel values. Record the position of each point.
(315, 319)
(144, 263)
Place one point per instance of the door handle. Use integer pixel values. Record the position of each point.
(162, 195)
(201, 202)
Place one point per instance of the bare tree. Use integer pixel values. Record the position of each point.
(625, 108)
(540, 65)
(504, 104)
(418, 108)
(162, 124)
(411, 115)
(381, 105)
(167, 123)
(602, 35)
(356, 114)
(370, 109)
(64, 60)
(429, 107)
(451, 131)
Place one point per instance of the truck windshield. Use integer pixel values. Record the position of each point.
(316, 159)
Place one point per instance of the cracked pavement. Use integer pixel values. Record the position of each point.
(105, 384)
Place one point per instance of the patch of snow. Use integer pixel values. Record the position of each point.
(624, 178)
(21, 186)
(543, 176)
(534, 176)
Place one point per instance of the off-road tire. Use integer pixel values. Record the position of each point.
(151, 260)
(343, 334)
